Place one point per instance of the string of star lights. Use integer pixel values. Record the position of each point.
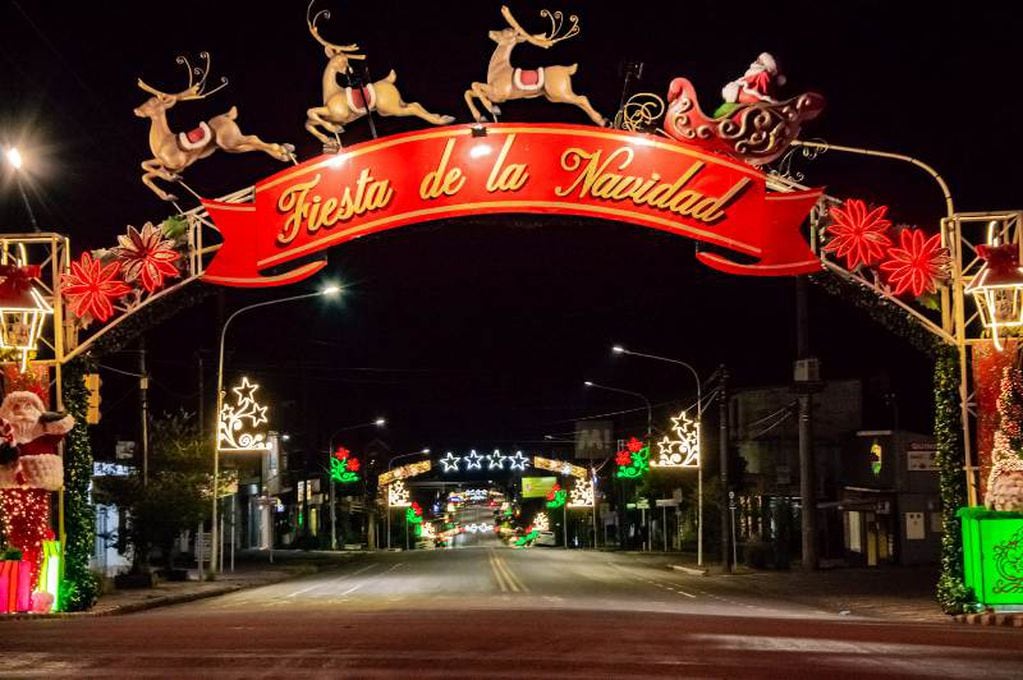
(239, 422)
(684, 449)
(344, 467)
(398, 495)
(474, 461)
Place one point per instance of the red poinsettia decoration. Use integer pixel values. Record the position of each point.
(352, 464)
(147, 256)
(341, 453)
(623, 457)
(634, 445)
(918, 264)
(857, 234)
(91, 288)
(553, 493)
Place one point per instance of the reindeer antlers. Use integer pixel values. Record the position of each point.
(311, 22)
(545, 40)
(194, 90)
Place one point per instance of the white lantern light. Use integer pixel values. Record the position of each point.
(23, 311)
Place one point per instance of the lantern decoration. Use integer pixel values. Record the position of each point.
(344, 467)
(240, 422)
(397, 495)
(23, 312)
(684, 449)
(997, 289)
(556, 497)
(634, 460)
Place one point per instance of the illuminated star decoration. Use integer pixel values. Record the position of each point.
(344, 467)
(473, 461)
(556, 497)
(857, 235)
(918, 265)
(450, 462)
(581, 494)
(91, 288)
(541, 522)
(684, 449)
(495, 461)
(517, 462)
(633, 460)
(239, 422)
(397, 495)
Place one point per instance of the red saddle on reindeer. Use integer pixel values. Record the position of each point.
(756, 133)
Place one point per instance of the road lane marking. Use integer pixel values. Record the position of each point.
(515, 581)
(497, 573)
(343, 577)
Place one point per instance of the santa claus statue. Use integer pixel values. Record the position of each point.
(755, 86)
(30, 468)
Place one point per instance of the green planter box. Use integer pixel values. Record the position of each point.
(993, 556)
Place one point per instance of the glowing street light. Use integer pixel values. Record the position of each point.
(329, 291)
(618, 349)
(17, 162)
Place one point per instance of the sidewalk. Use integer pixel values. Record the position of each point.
(252, 569)
(896, 593)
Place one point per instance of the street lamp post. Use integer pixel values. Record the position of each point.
(649, 429)
(379, 422)
(214, 546)
(618, 349)
(388, 506)
(16, 161)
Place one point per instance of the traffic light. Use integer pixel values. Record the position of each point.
(93, 383)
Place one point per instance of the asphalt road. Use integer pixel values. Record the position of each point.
(488, 611)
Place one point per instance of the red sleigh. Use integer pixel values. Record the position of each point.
(755, 133)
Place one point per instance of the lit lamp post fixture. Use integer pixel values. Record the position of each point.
(379, 422)
(618, 349)
(329, 291)
(390, 464)
(998, 289)
(23, 311)
(17, 162)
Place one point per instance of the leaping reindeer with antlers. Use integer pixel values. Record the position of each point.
(172, 152)
(342, 105)
(504, 82)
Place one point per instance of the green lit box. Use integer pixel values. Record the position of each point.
(993, 556)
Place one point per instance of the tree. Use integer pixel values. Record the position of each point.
(177, 496)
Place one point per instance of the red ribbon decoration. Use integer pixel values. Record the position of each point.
(544, 169)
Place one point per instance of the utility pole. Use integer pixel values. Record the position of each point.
(807, 468)
(144, 408)
(723, 450)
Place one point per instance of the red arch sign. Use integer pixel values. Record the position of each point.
(514, 168)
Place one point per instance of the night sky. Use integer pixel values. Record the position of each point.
(480, 332)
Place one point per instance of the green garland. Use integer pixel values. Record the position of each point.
(952, 594)
(80, 587)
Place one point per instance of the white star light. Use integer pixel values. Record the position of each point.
(684, 450)
(450, 462)
(495, 461)
(517, 462)
(474, 461)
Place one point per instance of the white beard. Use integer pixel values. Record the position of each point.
(25, 430)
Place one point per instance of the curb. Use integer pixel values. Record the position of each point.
(991, 619)
(692, 571)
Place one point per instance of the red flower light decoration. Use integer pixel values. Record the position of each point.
(634, 445)
(352, 464)
(341, 453)
(858, 235)
(91, 288)
(623, 457)
(918, 265)
(552, 494)
(148, 256)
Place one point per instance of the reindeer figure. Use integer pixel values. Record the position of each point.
(342, 105)
(172, 152)
(504, 82)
